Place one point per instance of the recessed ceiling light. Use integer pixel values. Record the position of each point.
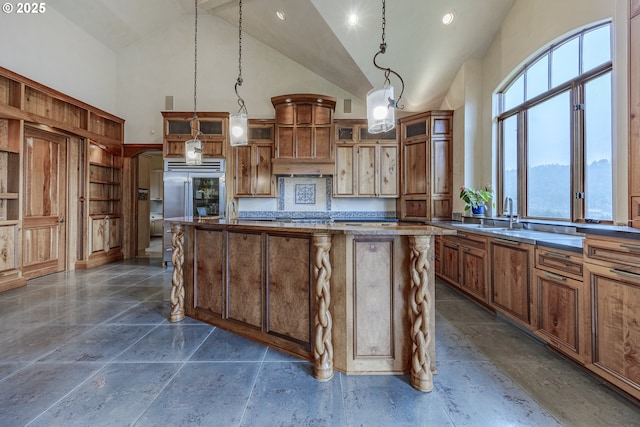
(280, 15)
(447, 18)
(353, 19)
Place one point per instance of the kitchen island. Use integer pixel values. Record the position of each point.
(355, 297)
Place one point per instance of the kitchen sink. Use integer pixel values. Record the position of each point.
(482, 227)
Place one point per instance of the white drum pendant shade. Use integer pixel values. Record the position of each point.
(381, 114)
(238, 129)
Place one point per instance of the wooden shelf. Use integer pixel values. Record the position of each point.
(94, 181)
(11, 196)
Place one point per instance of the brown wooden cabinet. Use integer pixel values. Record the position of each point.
(612, 271)
(511, 290)
(180, 127)
(634, 114)
(304, 134)
(563, 302)
(464, 264)
(253, 175)
(10, 136)
(426, 156)
(366, 166)
(103, 200)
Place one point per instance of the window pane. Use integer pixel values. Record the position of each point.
(510, 156)
(514, 95)
(549, 156)
(597, 129)
(564, 62)
(596, 47)
(538, 77)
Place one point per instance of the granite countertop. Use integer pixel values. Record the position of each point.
(572, 242)
(369, 228)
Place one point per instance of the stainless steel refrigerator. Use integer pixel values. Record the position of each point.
(191, 191)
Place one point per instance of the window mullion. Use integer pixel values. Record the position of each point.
(577, 153)
(523, 197)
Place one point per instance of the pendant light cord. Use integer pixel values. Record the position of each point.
(195, 70)
(243, 108)
(388, 71)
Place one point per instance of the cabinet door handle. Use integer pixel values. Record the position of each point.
(508, 242)
(630, 247)
(554, 276)
(556, 255)
(465, 249)
(625, 273)
(461, 234)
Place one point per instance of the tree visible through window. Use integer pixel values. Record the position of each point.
(555, 127)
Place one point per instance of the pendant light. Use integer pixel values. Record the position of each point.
(193, 147)
(238, 122)
(381, 107)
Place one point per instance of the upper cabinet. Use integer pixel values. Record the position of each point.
(180, 127)
(634, 114)
(304, 134)
(426, 156)
(253, 175)
(366, 164)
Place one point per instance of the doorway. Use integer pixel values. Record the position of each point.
(148, 177)
(44, 232)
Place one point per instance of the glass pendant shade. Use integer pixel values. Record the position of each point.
(238, 129)
(381, 116)
(193, 152)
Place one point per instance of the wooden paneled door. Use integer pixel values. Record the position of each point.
(44, 206)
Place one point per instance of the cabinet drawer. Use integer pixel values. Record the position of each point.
(612, 251)
(415, 208)
(472, 241)
(560, 262)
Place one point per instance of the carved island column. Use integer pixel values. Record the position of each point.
(421, 303)
(322, 343)
(177, 279)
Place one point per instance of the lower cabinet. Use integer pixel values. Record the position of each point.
(511, 291)
(563, 302)
(464, 263)
(612, 271)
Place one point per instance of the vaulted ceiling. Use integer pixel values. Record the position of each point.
(316, 34)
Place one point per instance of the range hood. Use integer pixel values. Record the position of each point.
(302, 167)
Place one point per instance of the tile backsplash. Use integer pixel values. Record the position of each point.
(304, 194)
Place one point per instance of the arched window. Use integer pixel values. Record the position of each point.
(555, 131)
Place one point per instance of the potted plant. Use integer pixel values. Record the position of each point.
(476, 199)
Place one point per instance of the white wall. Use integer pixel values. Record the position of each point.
(529, 28)
(162, 64)
(51, 50)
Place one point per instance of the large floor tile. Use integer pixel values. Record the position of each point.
(30, 344)
(99, 344)
(479, 394)
(145, 313)
(32, 390)
(223, 345)
(167, 343)
(287, 394)
(115, 396)
(203, 394)
(390, 400)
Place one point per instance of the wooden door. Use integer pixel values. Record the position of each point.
(45, 200)
(510, 285)
(344, 177)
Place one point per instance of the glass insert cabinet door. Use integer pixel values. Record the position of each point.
(207, 196)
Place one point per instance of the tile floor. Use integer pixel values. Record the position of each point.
(94, 348)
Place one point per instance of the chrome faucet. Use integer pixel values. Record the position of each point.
(232, 210)
(508, 201)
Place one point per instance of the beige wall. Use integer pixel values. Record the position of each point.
(51, 50)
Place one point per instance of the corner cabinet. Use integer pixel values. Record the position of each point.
(102, 206)
(426, 165)
(366, 164)
(252, 171)
(304, 134)
(10, 261)
(180, 127)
